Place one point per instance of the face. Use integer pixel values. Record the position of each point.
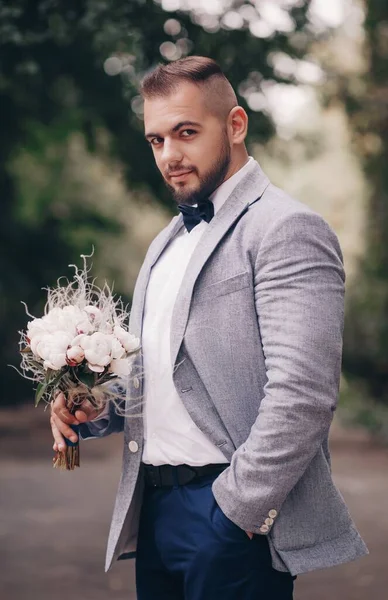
(190, 145)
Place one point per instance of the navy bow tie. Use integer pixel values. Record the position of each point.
(192, 215)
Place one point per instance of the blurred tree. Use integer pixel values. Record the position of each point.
(75, 66)
(366, 334)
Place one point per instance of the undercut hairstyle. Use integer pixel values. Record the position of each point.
(204, 72)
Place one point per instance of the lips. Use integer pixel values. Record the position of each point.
(180, 174)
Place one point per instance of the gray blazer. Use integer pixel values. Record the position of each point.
(256, 345)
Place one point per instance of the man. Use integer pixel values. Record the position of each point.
(226, 488)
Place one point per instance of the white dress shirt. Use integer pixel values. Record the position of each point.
(170, 434)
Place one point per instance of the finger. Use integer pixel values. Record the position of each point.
(59, 408)
(84, 417)
(87, 411)
(59, 442)
(81, 416)
(64, 429)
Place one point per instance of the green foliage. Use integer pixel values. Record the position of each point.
(48, 386)
(85, 377)
(358, 408)
(52, 84)
(366, 331)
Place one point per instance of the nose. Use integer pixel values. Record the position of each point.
(171, 153)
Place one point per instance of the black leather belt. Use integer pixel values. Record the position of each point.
(170, 475)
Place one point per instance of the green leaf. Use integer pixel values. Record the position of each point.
(40, 390)
(46, 385)
(48, 375)
(53, 382)
(86, 378)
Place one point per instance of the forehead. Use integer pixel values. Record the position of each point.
(186, 103)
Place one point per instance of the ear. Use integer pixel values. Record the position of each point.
(237, 125)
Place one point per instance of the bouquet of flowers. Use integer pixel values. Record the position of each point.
(81, 347)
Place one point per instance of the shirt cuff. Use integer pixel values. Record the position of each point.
(103, 414)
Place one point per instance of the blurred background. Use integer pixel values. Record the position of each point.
(75, 172)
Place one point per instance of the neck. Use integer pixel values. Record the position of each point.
(238, 161)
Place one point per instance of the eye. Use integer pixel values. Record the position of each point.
(189, 132)
(155, 141)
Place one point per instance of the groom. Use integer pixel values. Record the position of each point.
(226, 490)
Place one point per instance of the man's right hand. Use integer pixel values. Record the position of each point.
(61, 419)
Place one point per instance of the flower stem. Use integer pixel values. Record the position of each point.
(69, 459)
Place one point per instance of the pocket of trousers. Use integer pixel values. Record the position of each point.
(224, 524)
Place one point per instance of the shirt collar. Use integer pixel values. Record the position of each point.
(222, 193)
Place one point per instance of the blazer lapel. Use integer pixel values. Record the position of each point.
(249, 189)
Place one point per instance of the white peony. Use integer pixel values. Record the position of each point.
(75, 355)
(35, 340)
(67, 336)
(78, 339)
(117, 348)
(85, 326)
(51, 348)
(35, 328)
(98, 350)
(58, 319)
(64, 319)
(120, 367)
(128, 340)
(70, 312)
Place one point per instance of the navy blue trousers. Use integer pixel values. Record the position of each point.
(189, 550)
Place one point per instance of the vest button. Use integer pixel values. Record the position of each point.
(136, 382)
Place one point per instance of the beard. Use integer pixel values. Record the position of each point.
(209, 182)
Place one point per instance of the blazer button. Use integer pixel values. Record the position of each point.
(133, 446)
(268, 521)
(273, 513)
(264, 528)
(136, 382)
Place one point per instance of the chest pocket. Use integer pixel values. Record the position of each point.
(223, 287)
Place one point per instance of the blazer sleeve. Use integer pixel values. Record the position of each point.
(299, 295)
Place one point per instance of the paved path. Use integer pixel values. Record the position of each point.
(54, 525)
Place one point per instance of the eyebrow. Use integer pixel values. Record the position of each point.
(175, 128)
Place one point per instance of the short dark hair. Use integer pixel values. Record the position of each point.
(200, 70)
(164, 79)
